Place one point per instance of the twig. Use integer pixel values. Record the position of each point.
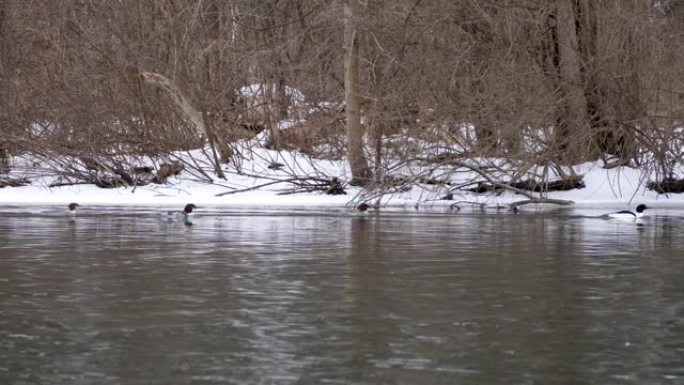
(257, 186)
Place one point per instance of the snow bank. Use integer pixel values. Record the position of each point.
(615, 187)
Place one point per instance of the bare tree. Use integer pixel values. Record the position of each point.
(573, 119)
(188, 110)
(361, 173)
(6, 74)
(604, 77)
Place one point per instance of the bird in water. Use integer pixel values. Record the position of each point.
(363, 207)
(629, 214)
(72, 208)
(185, 215)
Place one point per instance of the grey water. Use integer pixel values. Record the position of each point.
(332, 297)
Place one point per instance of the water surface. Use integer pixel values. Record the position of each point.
(330, 297)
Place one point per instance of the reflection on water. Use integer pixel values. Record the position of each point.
(314, 297)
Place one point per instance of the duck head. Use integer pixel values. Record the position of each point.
(188, 208)
(641, 208)
(363, 207)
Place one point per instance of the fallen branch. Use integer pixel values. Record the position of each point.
(513, 206)
(63, 184)
(257, 186)
(329, 186)
(191, 113)
(570, 183)
(10, 182)
(561, 202)
(477, 169)
(667, 185)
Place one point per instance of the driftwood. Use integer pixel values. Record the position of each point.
(276, 166)
(110, 182)
(327, 186)
(561, 202)
(557, 185)
(334, 187)
(167, 170)
(109, 174)
(141, 170)
(256, 187)
(490, 180)
(530, 185)
(667, 185)
(122, 178)
(514, 205)
(12, 182)
(331, 186)
(62, 184)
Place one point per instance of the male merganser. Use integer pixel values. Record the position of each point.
(72, 208)
(629, 214)
(185, 215)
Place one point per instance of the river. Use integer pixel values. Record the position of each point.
(331, 297)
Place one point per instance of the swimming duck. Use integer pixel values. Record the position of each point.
(185, 215)
(72, 208)
(629, 214)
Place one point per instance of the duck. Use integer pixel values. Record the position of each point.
(185, 214)
(629, 214)
(72, 208)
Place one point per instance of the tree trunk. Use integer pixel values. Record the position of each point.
(572, 132)
(603, 99)
(361, 173)
(629, 107)
(595, 86)
(6, 74)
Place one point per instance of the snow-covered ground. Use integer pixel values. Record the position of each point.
(605, 188)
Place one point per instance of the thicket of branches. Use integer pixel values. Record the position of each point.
(573, 79)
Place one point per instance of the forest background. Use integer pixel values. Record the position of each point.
(513, 92)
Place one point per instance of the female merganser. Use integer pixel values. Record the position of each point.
(72, 208)
(185, 215)
(629, 214)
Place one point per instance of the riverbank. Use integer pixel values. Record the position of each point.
(258, 185)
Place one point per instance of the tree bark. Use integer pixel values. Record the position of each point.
(6, 74)
(361, 173)
(629, 106)
(572, 132)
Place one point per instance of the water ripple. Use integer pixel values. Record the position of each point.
(330, 297)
